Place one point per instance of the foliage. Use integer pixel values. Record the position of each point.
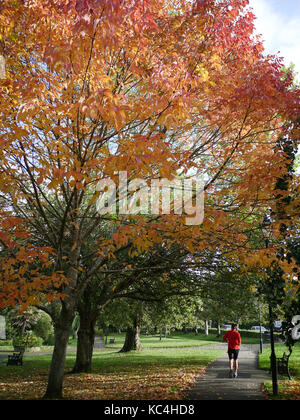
(43, 327)
(28, 322)
(155, 88)
(278, 289)
(27, 340)
(288, 390)
(107, 82)
(5, 343)
(174, 311)
(230, 297)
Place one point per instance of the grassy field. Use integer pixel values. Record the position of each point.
(176, 339)
(288, 390)
(149, 374)
(164, 369)
(173, 340)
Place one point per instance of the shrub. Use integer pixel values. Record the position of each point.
(5, 343)
(49, 341)
(43, 327)
(27, 340)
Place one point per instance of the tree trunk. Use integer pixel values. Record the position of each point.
(62, 330)
(85, 345)
(63, 323)
(88, 309)
(132, 339)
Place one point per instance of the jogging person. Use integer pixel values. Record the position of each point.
(233, 339)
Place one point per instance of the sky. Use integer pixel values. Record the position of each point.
(278, 21)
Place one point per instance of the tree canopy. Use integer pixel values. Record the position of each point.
(154, 88)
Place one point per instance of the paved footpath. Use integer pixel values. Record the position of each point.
(216, 384)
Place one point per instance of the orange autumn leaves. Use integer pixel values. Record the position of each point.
(144, 383)
(152, 87)
(21, 264)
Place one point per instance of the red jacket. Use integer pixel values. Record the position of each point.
(233, 339)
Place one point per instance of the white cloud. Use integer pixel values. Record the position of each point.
(279, 31)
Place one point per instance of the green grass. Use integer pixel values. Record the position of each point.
(148, 374)
(173, 340)
(289, 390)
(111, 361)
(108, 361)
(176, 339)
(294, 362)
(156, 372)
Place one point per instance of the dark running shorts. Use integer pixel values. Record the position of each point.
(233, 354)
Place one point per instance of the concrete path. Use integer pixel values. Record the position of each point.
(216, 384)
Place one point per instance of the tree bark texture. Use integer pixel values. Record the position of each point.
(132, 339)
(62, 330)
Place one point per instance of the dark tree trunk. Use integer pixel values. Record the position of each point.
(62, 329)
(88, 309)
(85, 344)
(132, 339)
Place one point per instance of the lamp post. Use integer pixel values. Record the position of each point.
(273, 355)
(260, 332)
(273, 360)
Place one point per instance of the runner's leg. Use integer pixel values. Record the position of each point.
(236, 363)
(230, 355)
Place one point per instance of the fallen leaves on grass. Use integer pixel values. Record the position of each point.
(290, 390)
(144, 383)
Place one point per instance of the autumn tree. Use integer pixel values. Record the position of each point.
(153, 88)
(148, 277)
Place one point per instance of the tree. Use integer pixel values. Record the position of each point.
(229, 298)
(154, 88)
(160, 311)
(128, 314)
(153, 276)
(112, 284)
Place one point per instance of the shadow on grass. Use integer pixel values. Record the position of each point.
(110, 361)
(147, 374)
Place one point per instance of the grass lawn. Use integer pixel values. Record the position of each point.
(149, 374)
(164, 369)
(288, 390)
(171, 341)
(176, 339)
